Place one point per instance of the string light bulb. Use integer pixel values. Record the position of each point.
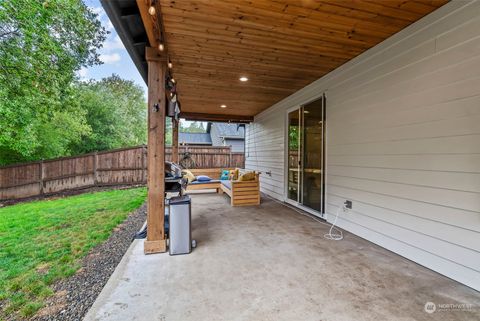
(161, 47)
(152, 10)
(173, 80)
(170, 65)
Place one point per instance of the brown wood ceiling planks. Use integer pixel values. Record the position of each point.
(281, 46)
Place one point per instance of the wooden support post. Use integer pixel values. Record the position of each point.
(156, 242)
(175, 125)
(230, 157)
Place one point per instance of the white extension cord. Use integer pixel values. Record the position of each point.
(338, 235)
(334, 233)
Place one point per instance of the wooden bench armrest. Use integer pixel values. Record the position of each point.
(245, 193)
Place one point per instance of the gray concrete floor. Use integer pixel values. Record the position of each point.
(271, 263)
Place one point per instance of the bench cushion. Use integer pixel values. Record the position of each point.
(213, 181)
(227, 184)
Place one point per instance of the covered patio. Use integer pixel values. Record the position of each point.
(372, 104)
(271, 263)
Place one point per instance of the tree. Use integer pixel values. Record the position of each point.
(42, 44)
(193, 127)
(116, 114)
(168, 131)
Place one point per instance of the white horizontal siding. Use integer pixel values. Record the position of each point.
(403, 142)
(265, 153)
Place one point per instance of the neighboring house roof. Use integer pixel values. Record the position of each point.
(217, 134)
(194, 138)
(229, 130)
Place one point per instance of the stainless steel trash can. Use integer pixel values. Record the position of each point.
(180, 231)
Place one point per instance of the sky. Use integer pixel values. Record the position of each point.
(113, 54)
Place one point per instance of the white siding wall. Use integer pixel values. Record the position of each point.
(403, 141)
(264, 152)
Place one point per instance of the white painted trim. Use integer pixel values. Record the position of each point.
(285, 167)
(305, 208)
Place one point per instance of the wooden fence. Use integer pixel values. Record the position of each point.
(126, 166)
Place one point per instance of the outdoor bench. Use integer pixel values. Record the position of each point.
(241, 193)
(210, 172)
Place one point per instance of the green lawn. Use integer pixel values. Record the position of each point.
(43, 241)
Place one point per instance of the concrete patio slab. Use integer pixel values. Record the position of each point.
(270, 263)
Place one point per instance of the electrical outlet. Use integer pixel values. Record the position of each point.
(348, 204)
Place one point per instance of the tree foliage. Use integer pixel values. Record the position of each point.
(192, 127)
(115, 112)
(42, 45)
(45, 111)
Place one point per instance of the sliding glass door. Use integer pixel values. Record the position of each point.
(305, 166)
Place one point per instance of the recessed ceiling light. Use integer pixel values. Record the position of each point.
(243, 78)
(223, 106)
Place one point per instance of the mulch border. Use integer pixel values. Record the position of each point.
(75, 295)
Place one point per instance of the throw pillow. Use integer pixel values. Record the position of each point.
(188, 175)
(203, 178)
(234, 174)
(225, 174)
(248, 176)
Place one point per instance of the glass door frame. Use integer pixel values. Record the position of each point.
(299, 204)
(287, 155)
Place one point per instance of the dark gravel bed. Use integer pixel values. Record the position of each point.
(76, 294)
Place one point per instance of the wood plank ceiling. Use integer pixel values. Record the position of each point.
(281, 46)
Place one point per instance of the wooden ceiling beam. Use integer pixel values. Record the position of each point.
(153, 54)
(217, 100)
(217, 117)
(147, 22)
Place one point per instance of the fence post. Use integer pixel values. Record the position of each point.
(42, 177)
(95, 164)
(144, 167)
(230, 158)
